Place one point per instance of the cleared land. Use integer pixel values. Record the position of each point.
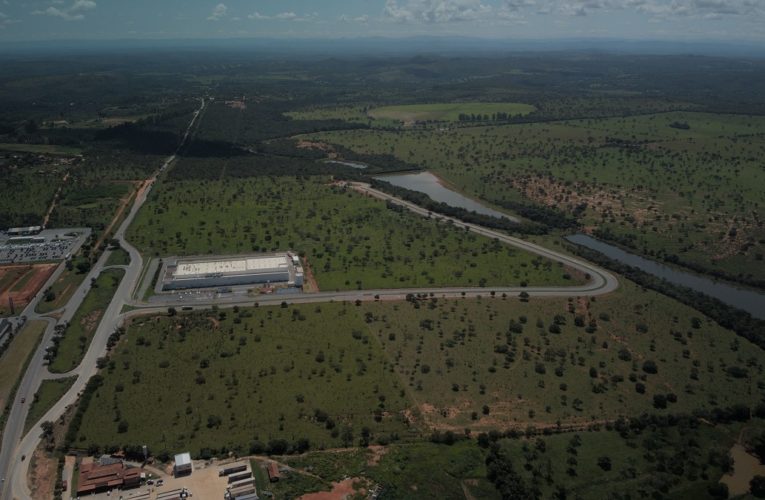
(71, 346)
(12, 363)
(350, 241)
(450, 112)
(632, 180)
(20, 283)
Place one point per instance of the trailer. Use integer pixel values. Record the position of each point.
(225, 470)
(232, 478)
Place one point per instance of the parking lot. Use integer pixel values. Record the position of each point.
(48, 245)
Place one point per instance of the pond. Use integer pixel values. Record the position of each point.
(427, 183)
(746, 300)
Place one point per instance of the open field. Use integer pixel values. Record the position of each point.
(46, 396)
(252, 380)
(350, 241)
(451, 112)
(71, 346)
(20, 283)
(13, 360)
(632, 180)
(490, 363)
(47, 149)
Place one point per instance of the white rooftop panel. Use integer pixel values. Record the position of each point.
(230, 266)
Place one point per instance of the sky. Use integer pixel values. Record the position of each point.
(680, 20)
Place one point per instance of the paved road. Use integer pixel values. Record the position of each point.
(12, 468)
(599, 282)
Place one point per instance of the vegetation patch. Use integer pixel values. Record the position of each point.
(463, 112)
(72, 341)
(351, 241)
(47, 395)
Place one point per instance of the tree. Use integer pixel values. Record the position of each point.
(509, 484)
(604, 463)
(757, 486)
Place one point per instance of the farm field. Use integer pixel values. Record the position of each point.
(350, 241)
(70, 347)
(450, 112)
(630, 180)
(20, 283)
(15, 357)
(446, 365)
(46, 396)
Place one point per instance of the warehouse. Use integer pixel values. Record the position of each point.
(207, 272)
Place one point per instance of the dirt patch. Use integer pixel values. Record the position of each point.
(21, 283)
(340, 491)
(321, 146)
(310, 285)
(214, 321)
(42, 474)
(90, 321)
(377, 452)
(123, 205)
(745, 467)
(632, 206)
(237, 104)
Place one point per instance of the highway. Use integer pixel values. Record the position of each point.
(12, 469)
(15, 445)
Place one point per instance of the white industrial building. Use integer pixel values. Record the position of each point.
(186, 273)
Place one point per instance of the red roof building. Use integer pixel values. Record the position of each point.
(94, 477)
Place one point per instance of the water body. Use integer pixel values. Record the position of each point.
(747, 300)
(427, 183)
(347, 163)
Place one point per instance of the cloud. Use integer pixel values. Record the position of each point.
(218, 13)
(436, 11)
(707, 9)
(358, 19)
(284, 16)
(72, 13)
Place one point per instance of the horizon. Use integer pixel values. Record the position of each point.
(740, 21)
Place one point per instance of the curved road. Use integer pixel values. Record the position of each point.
(600, 282)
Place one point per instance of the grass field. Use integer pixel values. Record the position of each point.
(490, 363)
(449, 112)
(250, 377)
(76, 338)
(636, 179)
(14, 359)
(351, 241)
(46, 396)
(63, 288)
(118, 257)
(50, 149)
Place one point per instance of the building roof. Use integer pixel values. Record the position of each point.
(229, 266)
(183, 459)
(94, 477)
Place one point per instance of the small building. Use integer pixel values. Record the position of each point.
(24, 231)
(94, 477)
(183, 465)
(273, 472)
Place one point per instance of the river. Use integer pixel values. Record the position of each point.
(747, 300)
(427, 183)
